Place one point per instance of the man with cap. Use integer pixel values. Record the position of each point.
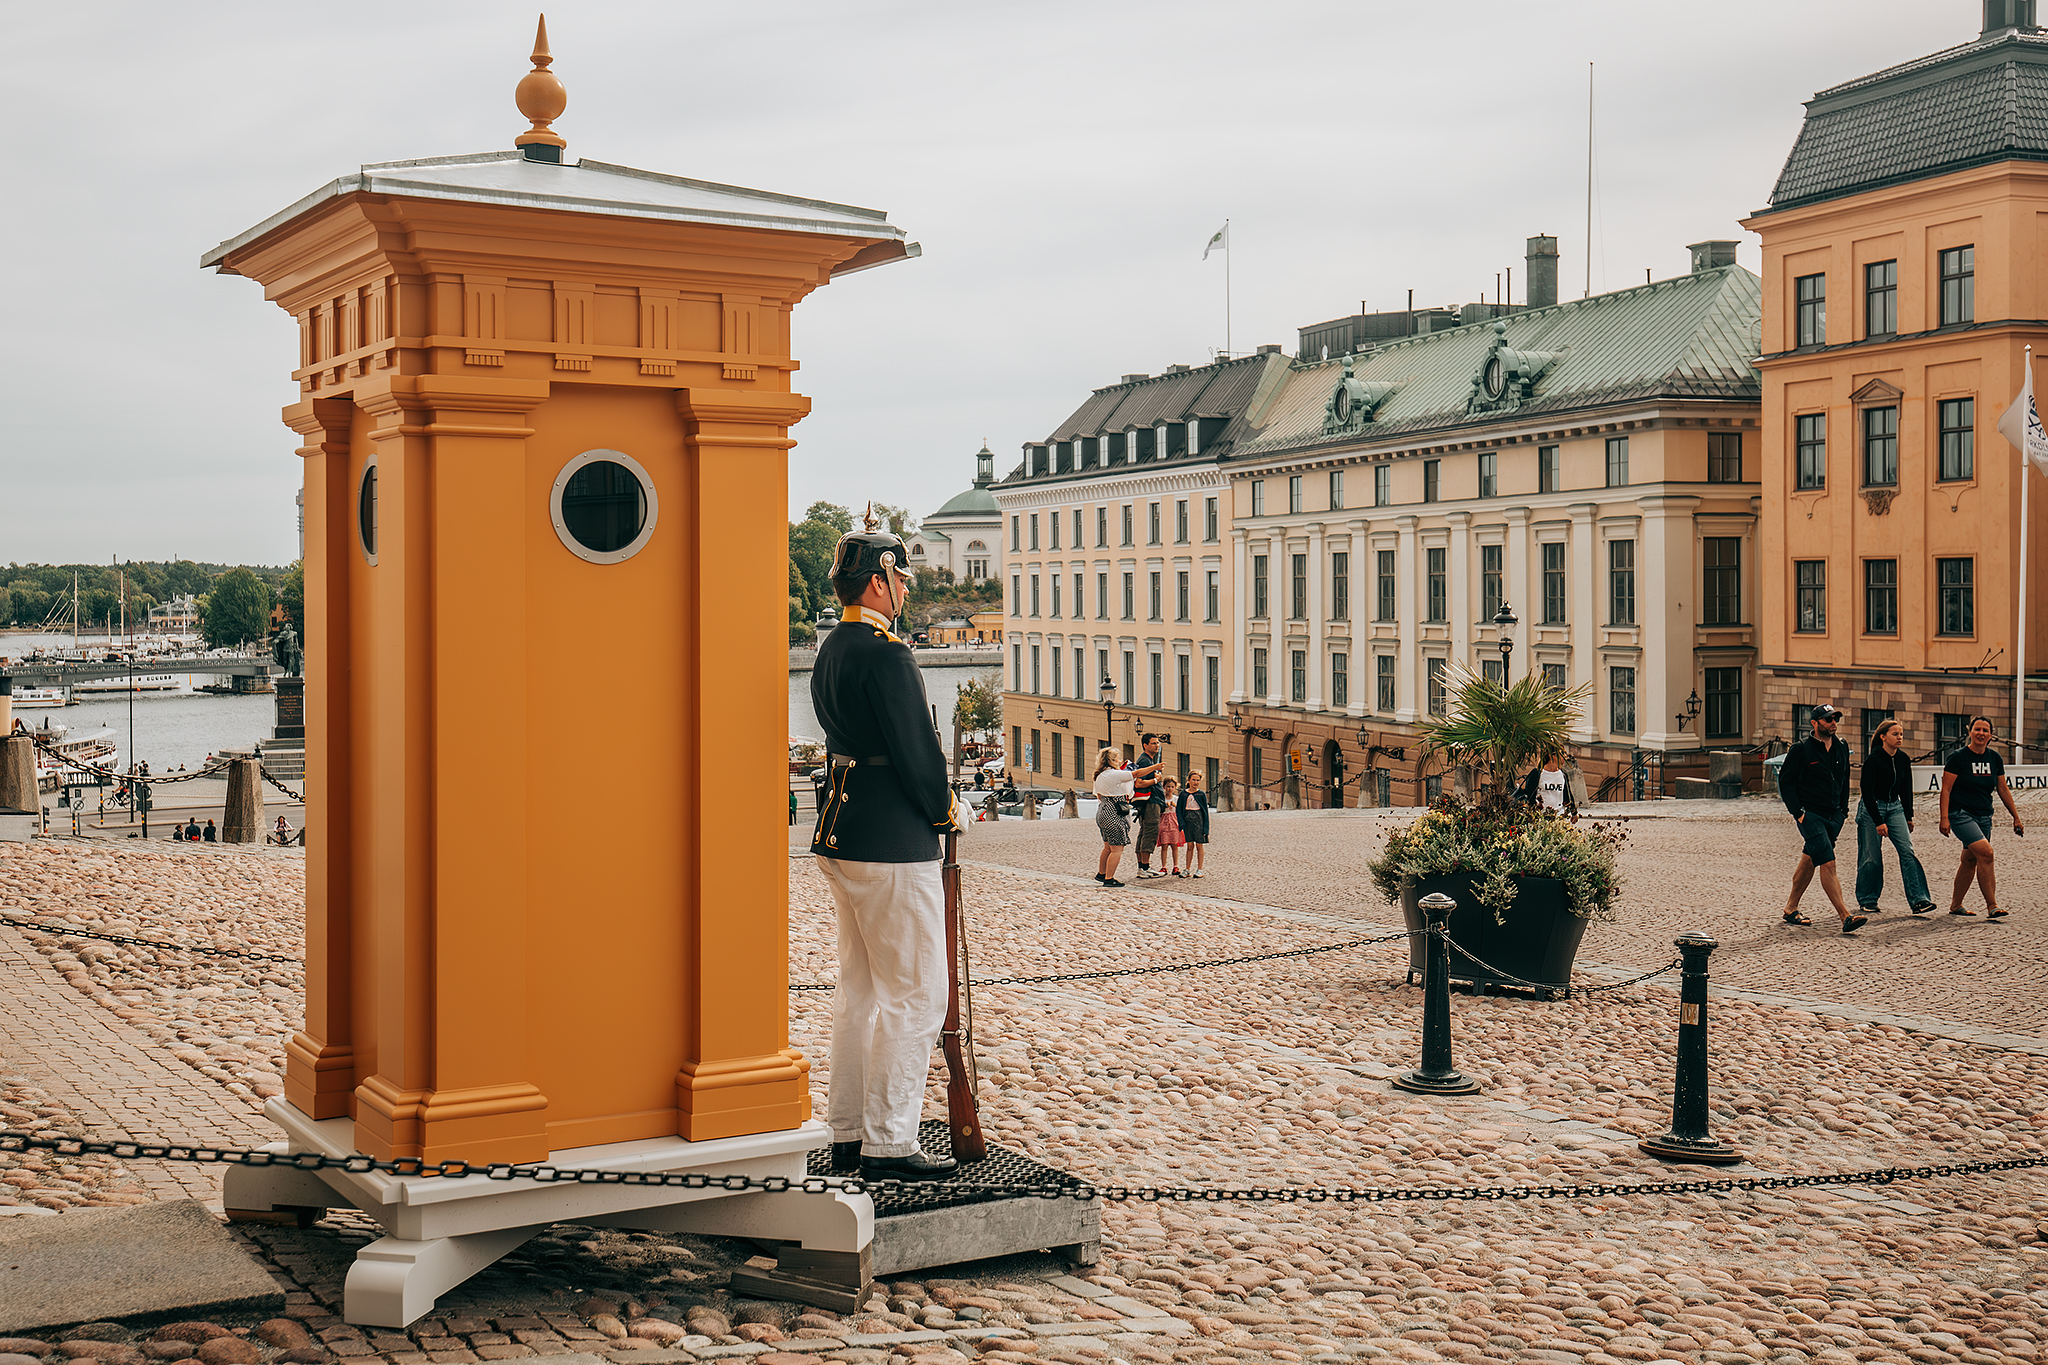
(1814, 784)
(886, 806)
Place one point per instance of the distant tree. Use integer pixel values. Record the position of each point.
(897, 519)
(183, 577)
(98, 605)
(802, 633)
(292, 592)
(811, 544)
(236, 611)
(978, 709)
(832, 514)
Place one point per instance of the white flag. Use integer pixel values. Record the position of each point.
(1220, 242)
(2021, 424)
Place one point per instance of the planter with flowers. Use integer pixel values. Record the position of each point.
(1527, 880)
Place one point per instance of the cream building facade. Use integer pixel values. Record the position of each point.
(963, 537)
(1593, 463)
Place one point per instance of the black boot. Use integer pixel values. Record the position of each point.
(916, 1166)
(846, 1155)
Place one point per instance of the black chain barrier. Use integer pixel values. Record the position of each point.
(1554, 990)
(152, 780)
(66, 931)
(15, 1141)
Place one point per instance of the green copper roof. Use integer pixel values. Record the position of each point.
(975, 502)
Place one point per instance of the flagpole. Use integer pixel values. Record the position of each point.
(2019, 682)
(1227, 254)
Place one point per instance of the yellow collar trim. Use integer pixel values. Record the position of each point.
(869, 617)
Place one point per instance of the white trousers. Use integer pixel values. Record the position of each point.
(891, 1000)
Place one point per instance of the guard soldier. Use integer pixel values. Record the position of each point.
(886, 805)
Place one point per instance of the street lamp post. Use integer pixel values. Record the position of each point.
(1108, 710)
(1505, 622)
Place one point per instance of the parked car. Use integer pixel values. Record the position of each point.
(1049, 802)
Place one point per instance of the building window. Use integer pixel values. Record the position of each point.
(1951, 732)
(1384, 682)
(1433, 788)
(1546, 469)
(1130, 601)
(1102, 671)
(1621, 700)
(1438, 586)
(1721, 581)
(1489, 582)
(1386, 586)
(1432, 480)
(1955, 579)
(1056, 596)
(1489, 474)
(1724, 457)
(1102, 597)
(1258, 497)
(1034, 594)
(1872, 718)
(1881, 597)
(1078, 542)
(1102, 525)
(1439, 694)
(1958, 438)
(1959, 285)
(1621, 582)
(1810, 576)
(1298, 596)
(1494, 670)
(1297, 675)
(1183, 681)
(1127, 523)
(1034, 530)
(1214, 595)
(1553, 583)
(1180, 521)
(1017, 740)
(1881, 299)
(1158, 693)
(1214, 668)
(1617, 462)
(1553, 675)
(1208, 518)
(1258, 768)
(1059, 670)
(1340, 680)
(1015, 548)
(1130, 674)
(1016, 595)
(1880, 446)
(1382, 485)
(1724, 703)
(1152, 522)
(1336, 490)
(1259, 603)
(1811, 436)
(1180, 588)
(1340, 586)
(1259, 673)
(1810, 294)
(1034, 751)
(1016, 668)
(1052, 541)
(1294, 493)
(1036, 656)
(1152, 599)
(1212, 770)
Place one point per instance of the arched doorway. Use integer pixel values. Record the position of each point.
(1333, 775)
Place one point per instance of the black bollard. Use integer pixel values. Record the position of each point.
(1437, 1076)
(1689, 1140)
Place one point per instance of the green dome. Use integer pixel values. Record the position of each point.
(976, 501)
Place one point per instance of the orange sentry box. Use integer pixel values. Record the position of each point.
(546, 409)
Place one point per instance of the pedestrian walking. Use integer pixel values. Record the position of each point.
(1968, 779)
(1814, 785)
(1113, 785)
(1192, 809)
(1170, 837)
(878, 845)
(1548, 787)
(1150, 801)
(792, 806)
(1885, 811)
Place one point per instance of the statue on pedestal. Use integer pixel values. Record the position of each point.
(286, 652)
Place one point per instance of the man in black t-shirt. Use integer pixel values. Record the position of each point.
(1968, 779)
(1814, 785)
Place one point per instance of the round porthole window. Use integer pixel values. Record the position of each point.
(603, 506)
(366, 511)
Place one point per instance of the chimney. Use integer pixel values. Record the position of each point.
(1713, 255)
(1269, 350)
(1541, 286)
(2000, 15)
(1136, 378)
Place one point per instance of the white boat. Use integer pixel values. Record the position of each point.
(40, 696)
(99, 746)
(140, 682)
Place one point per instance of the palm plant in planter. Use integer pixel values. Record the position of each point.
(1527, 880)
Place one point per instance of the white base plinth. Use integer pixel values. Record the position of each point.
(442, 1231)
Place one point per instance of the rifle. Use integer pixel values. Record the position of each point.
(963, 1116)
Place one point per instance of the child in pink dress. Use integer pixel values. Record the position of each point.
(1170, 837)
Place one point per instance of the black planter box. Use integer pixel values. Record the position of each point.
(1538, 943)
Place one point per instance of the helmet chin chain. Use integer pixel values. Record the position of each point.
(898, 592)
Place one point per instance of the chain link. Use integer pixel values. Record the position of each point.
(298, 797)
(66, 931)
(1162, 968)
(15, 1141)
(1556, 992)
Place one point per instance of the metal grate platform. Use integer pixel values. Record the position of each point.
(1001, 1167)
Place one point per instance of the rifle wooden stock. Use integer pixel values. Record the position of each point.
(963, 1115)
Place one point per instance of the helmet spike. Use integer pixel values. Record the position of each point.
(869, 519)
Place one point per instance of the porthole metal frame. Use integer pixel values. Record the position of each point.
(363, 541)
(576, 547)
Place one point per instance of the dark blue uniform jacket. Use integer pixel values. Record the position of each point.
(869, 696)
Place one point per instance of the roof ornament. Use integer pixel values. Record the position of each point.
(541, 97)
(1354, 400)
(1507, 377)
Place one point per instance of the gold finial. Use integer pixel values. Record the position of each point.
(870, 519)
(541, 98)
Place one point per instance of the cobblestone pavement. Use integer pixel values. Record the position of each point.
(1270, 1073)
(1721, 867)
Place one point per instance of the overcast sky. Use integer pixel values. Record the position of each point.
(1062, 164)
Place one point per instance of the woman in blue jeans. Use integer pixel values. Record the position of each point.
(1886, 812)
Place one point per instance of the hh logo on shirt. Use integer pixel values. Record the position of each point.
(1980, 769)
